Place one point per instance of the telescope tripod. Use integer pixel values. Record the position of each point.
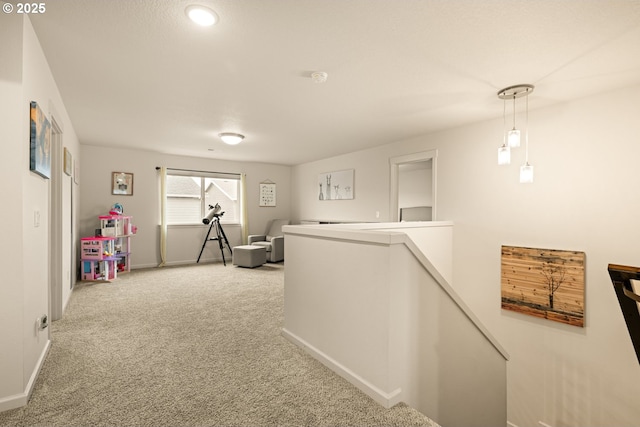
(220, 237)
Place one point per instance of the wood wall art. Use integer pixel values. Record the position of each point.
(545, 283)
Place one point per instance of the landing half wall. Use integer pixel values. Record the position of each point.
(373, 302)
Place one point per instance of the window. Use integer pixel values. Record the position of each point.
(190, 194)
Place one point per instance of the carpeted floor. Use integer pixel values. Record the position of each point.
(197, 345)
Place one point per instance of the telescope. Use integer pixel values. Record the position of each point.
(214, 211)
(213, 219)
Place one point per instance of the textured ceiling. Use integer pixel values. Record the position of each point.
(139, 74)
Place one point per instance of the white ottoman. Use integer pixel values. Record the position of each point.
(249, 256)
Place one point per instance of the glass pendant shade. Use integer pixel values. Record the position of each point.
(513, 136)
(504, 155)
(526, 173)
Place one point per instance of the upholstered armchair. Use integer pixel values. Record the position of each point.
(272, 240)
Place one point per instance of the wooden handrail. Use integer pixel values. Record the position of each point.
(621, 277)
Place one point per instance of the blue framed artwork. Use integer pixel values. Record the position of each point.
(40, 142)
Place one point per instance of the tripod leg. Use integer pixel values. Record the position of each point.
(218, 230)
(225, 240)
(206, 239)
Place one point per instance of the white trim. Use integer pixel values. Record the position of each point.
(56, 267)
(21, 399)
(385, 399)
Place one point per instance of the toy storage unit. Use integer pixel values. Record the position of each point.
(121, 229)
(98, 258)
(108, 253)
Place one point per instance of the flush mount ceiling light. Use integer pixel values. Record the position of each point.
(231, 138)
(511, 138)
(201, 15)
(319, 76)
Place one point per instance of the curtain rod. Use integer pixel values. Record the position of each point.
(192, 170)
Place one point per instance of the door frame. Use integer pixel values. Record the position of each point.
(394, 169)
(55, 223)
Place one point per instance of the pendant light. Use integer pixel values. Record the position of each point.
(514, 134)
(504, 152)
(526, 170)
(511, 139)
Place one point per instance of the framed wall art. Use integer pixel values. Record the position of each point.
(68, 162)
(544, 283)
(39, 142)
(267, 193)
(336, 185)
(122, 183)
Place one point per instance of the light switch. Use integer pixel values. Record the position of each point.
(36, 218)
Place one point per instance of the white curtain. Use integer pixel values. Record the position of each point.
(243, 209)
(163, 216)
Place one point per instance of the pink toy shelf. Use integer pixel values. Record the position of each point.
(109, 253)
(97, 255)
(116, 225)
(96, 247)
(104, 269)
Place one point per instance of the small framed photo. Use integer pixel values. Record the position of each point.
(68, 161)
(122, 183)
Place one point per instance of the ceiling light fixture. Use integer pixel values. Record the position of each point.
(319, 76)
(231, 138)
(504, 152)
(201, 15)
(511, 139)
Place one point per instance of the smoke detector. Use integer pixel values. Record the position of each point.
(319, 76)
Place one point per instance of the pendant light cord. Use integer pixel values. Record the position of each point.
(514, 111)
(504, 121)
(526, 131)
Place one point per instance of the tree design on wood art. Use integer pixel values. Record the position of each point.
(545, 283)
(554, 273)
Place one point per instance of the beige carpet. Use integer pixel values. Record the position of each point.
(190, 346)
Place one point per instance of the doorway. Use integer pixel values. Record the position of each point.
(55, 224)
(413, 187)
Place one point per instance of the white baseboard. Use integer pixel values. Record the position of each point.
(21, 399)
(385, 399)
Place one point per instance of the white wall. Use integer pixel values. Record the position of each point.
(585, 197)
(371, 188)
(25, 77)
(183, 243)
(12, 163)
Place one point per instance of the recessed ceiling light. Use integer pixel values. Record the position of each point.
(231, 138)
(201, 15)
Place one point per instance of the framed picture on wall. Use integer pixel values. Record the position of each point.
(335, 185)
(40, 142)
(267, 193)
(68, 162)
(122, 183)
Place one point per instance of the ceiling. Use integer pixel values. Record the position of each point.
(139, 74)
